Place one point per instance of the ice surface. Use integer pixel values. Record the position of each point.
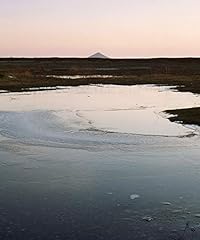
(72, 157)
(134, 196)
(118, 109)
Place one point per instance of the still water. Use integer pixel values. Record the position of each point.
(98, 162)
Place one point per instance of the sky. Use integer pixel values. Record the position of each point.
(117, 28)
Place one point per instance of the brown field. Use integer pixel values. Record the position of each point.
(17, 74)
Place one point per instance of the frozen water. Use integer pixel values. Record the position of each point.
(121, 109)
(70, 158)
(134, 196)
(74, 77)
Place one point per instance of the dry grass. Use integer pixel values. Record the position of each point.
(17, 74)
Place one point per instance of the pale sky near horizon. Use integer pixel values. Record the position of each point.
(117, 28)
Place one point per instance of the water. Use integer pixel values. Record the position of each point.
(74, 77)
(97, 162)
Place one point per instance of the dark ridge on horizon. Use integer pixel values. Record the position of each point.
(98, 59)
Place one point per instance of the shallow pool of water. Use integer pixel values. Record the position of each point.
(98, 162)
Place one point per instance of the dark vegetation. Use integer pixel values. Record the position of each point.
(185, 116)
(17, 74)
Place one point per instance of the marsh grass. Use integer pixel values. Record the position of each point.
(185, 116)
(183, 73)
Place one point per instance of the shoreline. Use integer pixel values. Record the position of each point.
(22, 75)
(189, 116)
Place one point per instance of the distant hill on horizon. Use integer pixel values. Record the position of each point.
(98, 55)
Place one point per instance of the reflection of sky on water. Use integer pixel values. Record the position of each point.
(61, 180)
(125, 109)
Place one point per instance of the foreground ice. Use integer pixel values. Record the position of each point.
(118, 109)
(61, 151)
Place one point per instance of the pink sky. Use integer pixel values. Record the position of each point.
(117, 28)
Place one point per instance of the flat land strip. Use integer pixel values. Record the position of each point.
(20, 74)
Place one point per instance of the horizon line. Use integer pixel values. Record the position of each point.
(85, 57)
